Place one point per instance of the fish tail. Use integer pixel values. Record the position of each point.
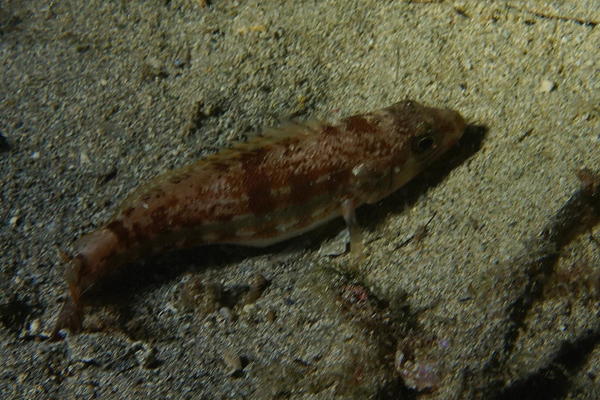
(70, 317)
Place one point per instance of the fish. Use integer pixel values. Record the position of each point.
(273, 187)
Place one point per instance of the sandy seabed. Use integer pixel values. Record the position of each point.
(497, 298)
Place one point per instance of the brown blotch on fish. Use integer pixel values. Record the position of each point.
(257, 183)
(119, 230)
(220, 166)
(331, 130)
(358, 123)
(178, 178)
(302, 188)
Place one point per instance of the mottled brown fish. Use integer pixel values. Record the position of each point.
(266, 190)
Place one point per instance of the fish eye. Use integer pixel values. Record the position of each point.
(423, 143)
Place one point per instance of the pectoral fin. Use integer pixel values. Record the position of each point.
(356, 243)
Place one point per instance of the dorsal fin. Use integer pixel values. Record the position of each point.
(224, 157)
(290, 129)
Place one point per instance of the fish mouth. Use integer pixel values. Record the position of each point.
(453, 125)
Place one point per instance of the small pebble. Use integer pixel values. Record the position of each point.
(337, 246)
(203, 297)
(14, 221)
(547, 86)
(226, 313)
(232, 360)
(258, 281)
(258, 284)
(34, 327)
(83, 158)
(146, 356)
(248, 308)
(154, 62)
(271, 316)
